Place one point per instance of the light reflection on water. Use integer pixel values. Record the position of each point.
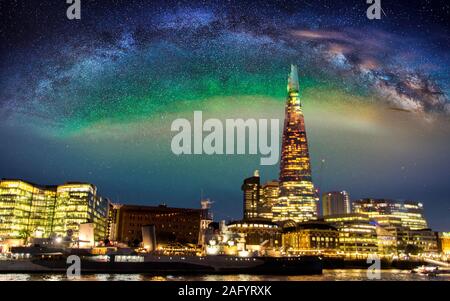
(328, 275)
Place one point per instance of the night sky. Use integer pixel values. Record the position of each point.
(93, 99)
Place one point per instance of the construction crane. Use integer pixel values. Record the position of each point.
(319, 182)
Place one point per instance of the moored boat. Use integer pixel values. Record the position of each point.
(147, 263)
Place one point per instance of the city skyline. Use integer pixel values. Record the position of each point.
(93, 101)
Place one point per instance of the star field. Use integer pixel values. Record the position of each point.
(93, 99)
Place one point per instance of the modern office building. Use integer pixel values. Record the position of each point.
(387, 241)
(78, 203)
(310, 238)
(361, 234)
(29, 210)
(172, 225)
(444, 242)
(269, 194)
(386, 212)
(251, 196)
(400, 240)
(26, 209)
(336, 202)
(423, 241)
(298, 198)
(357, 234)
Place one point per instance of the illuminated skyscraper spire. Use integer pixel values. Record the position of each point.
(293, 85)
(298, 199)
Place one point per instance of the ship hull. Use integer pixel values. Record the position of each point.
(195, 265)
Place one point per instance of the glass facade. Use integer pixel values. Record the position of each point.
(414, 242)
(29, 210)
(25, 209)
(444, 238)
(360, 234)
(251, 189)
(269, 194)
(336, 202)
(298, 199)
(357, 235)
(406, 214)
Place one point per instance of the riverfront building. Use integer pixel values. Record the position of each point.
(357, 235)
(172, 225)
(360, 234)
(260, 236)
(385, 212)
(29, 210)
(444, 242)
(310, 238)
(423, 241)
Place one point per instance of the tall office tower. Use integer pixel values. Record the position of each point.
(251, 188)
(269, 197)
(298, 199)
(335, 202)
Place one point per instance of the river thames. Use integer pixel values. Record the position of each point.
(328, 275)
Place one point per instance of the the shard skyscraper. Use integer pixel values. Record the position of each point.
(298, 200)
